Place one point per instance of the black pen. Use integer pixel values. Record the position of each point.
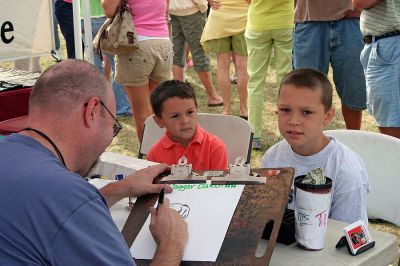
(160, 198)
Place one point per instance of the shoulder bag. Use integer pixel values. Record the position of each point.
(117, 34)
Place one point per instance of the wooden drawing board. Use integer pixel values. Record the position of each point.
(258, 205)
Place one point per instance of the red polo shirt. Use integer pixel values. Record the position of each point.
(205, 151)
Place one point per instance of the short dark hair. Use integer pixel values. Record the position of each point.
(312, 79)
(169, 89)
(65, 85)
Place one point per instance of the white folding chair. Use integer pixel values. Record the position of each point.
(381, 155)
(234, 131)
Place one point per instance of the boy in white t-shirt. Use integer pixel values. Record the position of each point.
(304, 109)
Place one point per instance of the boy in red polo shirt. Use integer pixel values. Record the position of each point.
(175, 108)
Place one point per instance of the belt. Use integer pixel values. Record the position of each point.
(369, 39)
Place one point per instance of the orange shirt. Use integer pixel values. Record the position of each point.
(205, 151)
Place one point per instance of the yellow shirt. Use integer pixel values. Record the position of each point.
(270, 14)
(230, 19)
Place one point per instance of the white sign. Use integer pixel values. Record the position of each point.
(26, 28)
(207, 209)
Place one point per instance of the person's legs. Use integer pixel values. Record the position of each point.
(242, 79)
(178, 40)
(311, 46)
(139, 97)
(224, 83)
(239, 57)
(192, 28)
(122, 102)
(259, 45)
(381, 62)
(283, 53)
(57, 52)
(346, 45)
(64, 13)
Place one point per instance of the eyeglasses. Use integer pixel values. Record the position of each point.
(117, 126)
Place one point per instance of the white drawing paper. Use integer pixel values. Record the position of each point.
(208, 210)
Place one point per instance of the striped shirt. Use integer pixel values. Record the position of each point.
(381, 19)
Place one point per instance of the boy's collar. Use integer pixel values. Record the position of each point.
(198, 137)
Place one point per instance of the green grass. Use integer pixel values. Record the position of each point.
(126, 142)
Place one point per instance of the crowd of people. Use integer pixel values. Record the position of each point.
(298, 34)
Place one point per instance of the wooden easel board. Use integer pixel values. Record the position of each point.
(258, 205)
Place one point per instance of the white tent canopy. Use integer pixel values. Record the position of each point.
(26, 29)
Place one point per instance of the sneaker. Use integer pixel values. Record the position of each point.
(56, 55)
(256, 144)
(233, 79)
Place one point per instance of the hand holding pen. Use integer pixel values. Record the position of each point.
(168, 228)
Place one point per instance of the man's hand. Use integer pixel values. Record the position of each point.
(170, 232)
(135, 185)
(141, 182)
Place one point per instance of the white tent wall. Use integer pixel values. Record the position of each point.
(26, 29)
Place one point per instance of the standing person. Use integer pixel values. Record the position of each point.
(329, 32)
(106, 64)
(65, 18)
(304, 108)
(269, 27)
(50, 215)
(187, 24)
(140, 71)
(380, 25)
(223, 33)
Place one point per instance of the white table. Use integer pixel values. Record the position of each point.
(111, 163)
(384, 252)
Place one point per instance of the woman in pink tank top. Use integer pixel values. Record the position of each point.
(140, 71)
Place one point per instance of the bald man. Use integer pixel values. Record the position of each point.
(49, 214)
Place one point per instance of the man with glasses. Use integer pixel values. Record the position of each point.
(50, 214)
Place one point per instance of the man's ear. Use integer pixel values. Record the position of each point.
(159, 121)
(91, 111)
(329, 115)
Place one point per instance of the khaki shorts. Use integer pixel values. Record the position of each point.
(235, 43)
(152, 61)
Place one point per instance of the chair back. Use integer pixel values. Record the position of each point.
(234, 131)
(381, 155)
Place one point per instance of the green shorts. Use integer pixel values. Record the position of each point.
(235, 43)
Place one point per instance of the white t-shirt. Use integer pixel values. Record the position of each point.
(350, 184)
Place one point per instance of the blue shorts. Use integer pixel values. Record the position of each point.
(318, 43)
(381, 62)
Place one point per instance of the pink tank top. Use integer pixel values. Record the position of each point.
(149, 17)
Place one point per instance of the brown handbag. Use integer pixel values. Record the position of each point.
(117, 34)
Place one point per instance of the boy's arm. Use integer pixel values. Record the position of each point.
(349, 201)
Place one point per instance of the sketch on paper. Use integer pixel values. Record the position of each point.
(181, 208)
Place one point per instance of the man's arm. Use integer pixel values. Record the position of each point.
(170, 232)
(365, 4)
(135, 185)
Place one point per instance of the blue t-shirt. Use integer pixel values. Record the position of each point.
(49, 215)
